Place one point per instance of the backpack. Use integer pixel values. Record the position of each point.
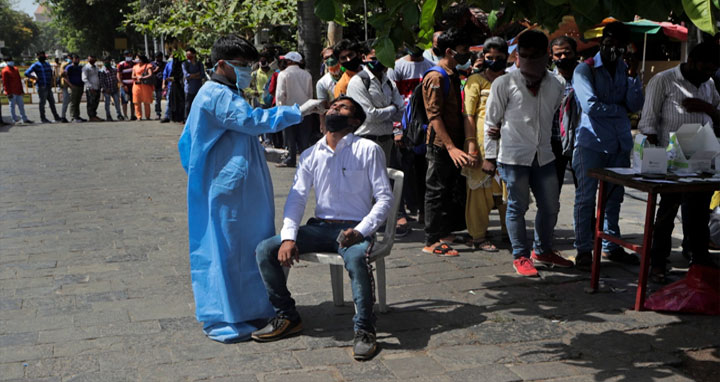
(569, 116)
(414, 120)
(365, 77)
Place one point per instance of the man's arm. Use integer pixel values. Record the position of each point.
(297, 199)
(634, 96)
(398, 101)
(356, 90)
(84, 75)
(494, 115)
(585, 94)
(382, 193)
(280, 91)
(30, 71)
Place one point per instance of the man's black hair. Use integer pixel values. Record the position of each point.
(91, 56)
(191, 50)
(159, 54)
(233, 46)
(126, 52)
(707, 51)
(533, 39)
(143, 58)
(107, 59)
(564, 39)
(450, 39)
(618, 31)
(346, 44)
(74, 56)
(358, 113)
(497, 43)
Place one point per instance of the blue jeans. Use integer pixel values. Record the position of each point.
(583, 160)
(542, 180)
(115, 97)
(167, 107)
(17, 99)
(319, 236)
(158, 102)
(46, 95)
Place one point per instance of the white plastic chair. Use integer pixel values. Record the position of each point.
(381, 248)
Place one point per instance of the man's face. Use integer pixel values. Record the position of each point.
(564, 50)
(703, 70)
(346, 55)
(189, 55)
(327, 53)
(228, 71)
(346, 108)
(494, 55)
(91, 60)
(612, 49)
(41, 57)
(530, 53)
(76, 60)
(459, 56)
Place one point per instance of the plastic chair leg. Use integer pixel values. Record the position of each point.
(380, 266)
(336, 279)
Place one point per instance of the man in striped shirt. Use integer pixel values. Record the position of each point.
(42, 73)
(124, 73)
(683, 94)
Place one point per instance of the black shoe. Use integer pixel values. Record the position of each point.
(165, 120)
(277, 328)
(45, 120)
(133, 118)
(284, 164)
(583, 261)
(64, 120)
(28, 121)
(364, 345)
(620, 256)
(109, 119)
(82, 119)
(78, 120)
(402, 230)
(120, 118)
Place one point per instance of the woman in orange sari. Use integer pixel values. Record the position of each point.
(142, 91)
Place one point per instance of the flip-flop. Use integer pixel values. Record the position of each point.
(444, 250)
(485, 245)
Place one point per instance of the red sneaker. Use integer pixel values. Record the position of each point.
(552, 259)
(524, 267)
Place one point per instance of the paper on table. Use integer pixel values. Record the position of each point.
(654, 180)
(622, 170)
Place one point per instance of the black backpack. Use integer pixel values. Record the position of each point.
(414, 119)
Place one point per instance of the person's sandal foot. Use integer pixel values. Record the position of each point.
(620, 256)
(443, 250)
(364, 345)
(277, 328)
(485, 245)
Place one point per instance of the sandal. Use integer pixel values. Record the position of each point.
(658, 276)
(443, 250)
(485, 245)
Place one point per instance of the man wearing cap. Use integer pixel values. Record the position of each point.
(294, 86)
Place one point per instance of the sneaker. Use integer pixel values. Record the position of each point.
(165, 120)
(64, 120)
(96, 119)
(278, 327)
(133, 118)
(109, 119)
(78, 120)
(29, 122)
(364, 345)
(402, 230)
(552, 259)
(620, 256)
(45, 120)
(524, 267)
(19, 123)
(120, 118)
(583, 261)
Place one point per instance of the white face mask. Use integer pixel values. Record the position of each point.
(128, 59)
(11, 63)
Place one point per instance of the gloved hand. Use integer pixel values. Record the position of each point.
(312, 106)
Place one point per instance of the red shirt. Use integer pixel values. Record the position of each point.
(11, 81)
(125, 69)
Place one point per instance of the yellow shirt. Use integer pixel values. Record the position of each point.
(342, 84)
(477, 91)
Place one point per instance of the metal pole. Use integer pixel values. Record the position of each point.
(642, 70)
(365, 6)
(147, 53)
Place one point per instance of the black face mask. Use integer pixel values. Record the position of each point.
(352, 65)
(462, 58)
(496, 65)
(695, 77)
(42, 58)
(611, 53)
(565, 63)
(336, 122)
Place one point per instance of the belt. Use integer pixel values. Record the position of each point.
(378, 138)
(334, 221)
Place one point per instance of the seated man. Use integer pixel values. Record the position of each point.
(348, 172)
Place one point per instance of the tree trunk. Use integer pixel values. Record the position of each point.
(334, 33)
(309, 41)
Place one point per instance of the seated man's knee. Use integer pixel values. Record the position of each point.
(267, 250)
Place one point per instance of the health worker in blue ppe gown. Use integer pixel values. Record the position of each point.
(230, 195)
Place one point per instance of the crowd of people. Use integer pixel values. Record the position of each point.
(134, 81)
(472, 131)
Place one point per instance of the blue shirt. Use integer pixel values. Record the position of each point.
(43, 71)
(192, 85)
(74, 73)
(605, 103)
(167, 72)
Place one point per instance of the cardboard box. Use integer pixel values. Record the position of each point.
(697, 149)
(648, 159)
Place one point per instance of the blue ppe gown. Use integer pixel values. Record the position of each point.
(230, 207)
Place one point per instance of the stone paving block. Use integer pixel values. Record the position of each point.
(91, 346)
(303, 376)
(412, 366)
(8, 303)
(232, 378)
(11, 371)
(35, 323)
(495, 373)
(127, 375)
(111, 329)
(24, 353)
(469, 356)
(14, 339)
(548, 370)
(372, 370)
(323, 357)
(61, 367)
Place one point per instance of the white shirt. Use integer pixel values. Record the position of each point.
(525, 120)
(294, 86)
(90, 77)
(325, 87)
(346, 181)
(382, 103)
(663, 112)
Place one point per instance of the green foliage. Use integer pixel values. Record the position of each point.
(48, 38)
(17, 29)
(88, 26)
(700, 13)
(200, 23)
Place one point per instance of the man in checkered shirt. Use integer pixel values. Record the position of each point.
(109, 88)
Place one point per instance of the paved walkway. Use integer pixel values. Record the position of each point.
(95, 286)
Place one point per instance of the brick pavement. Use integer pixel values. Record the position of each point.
(94, 286)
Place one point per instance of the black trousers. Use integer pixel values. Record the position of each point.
(189, 97)
(93, 100)
(297, 139)
(695, 219)
(561, 164)
(444, 196)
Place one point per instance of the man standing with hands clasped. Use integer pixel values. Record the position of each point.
(348, 172)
